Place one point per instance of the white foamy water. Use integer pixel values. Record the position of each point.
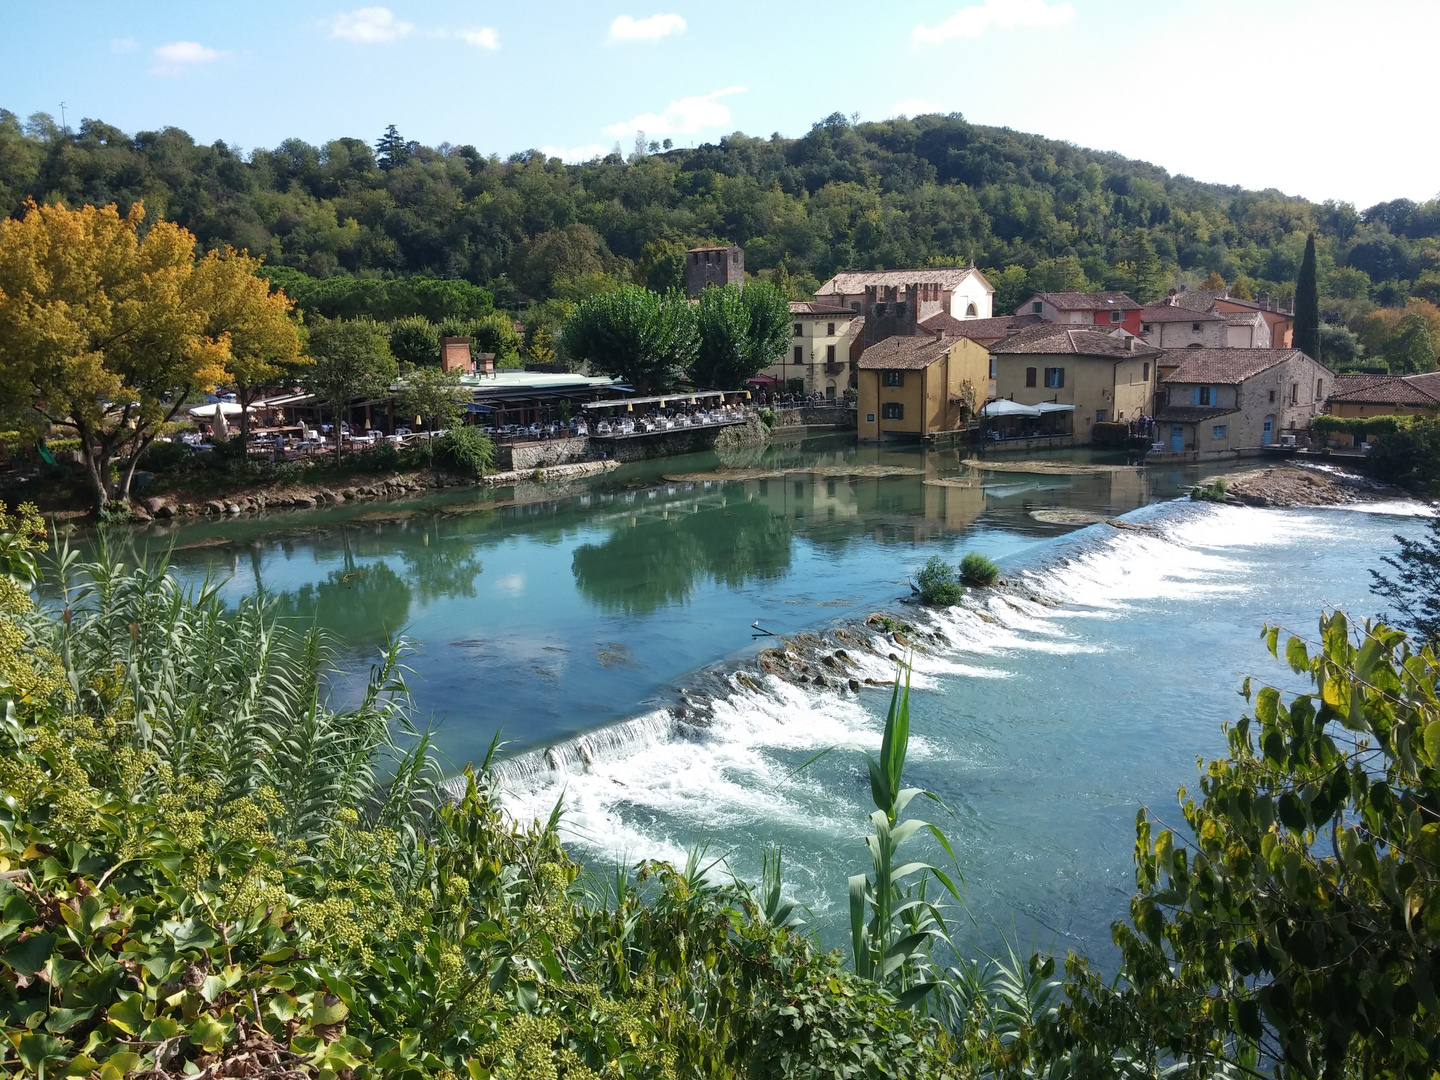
(1043, 721)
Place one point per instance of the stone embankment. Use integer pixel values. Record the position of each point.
(306, 497)
(1296, 485)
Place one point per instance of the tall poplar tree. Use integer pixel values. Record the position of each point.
(1307, 305)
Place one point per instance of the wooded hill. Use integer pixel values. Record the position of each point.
(1034, 212)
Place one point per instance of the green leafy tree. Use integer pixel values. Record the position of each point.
(432, 394)
(352, 360)
(1413, 590)
(1409, 456)
(741, 332)
(1293, 921)
(1340, 348)
(391, 149)
(1307, 304)
(494, 333)
(415, 340)
(645, 338)
(1410, 347)
(1145, 267)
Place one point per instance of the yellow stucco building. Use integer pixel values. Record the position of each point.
(910, 387)
(1106, 374)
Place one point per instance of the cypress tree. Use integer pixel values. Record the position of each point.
(1307, 305)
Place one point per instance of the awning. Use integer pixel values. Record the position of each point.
(1003, 407)
(207, 412)
(761, 380)
(1054, 406)
(679, 397)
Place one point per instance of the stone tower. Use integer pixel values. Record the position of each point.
(713, 266)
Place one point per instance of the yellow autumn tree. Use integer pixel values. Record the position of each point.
(108, 332)
(253, 322)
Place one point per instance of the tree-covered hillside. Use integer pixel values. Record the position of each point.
(934, 190)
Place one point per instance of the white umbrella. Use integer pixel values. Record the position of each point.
(1003, 407)
(218, 408)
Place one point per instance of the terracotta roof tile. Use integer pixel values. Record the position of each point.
(1087, 301)
(904, 353)
(979, 329)
(850, 282)
(816, 307)
(1223, 366)
(1168, 313)
(1387, 389)
(1190, 414)
(1058, 339)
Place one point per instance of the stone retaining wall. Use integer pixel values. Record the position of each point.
(836, 416)
(657, 444)
(542, 455)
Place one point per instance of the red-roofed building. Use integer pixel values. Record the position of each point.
(1225, 402)
(1111, 309)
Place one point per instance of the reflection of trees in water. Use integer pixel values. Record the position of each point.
(657, 561)
(360, 603)
(441, 570)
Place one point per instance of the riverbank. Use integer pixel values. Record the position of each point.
(1304, 485)
(309, 496)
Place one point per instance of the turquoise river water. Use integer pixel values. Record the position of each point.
(577, 618)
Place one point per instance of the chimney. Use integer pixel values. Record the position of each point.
(1130, 343)
(486, 363)
(455, 355)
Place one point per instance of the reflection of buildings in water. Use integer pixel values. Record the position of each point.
(1129, 490)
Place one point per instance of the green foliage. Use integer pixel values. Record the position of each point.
(352, 360)
(634, 334)
(436, 396)
(931, 190)
(1414, 590)
(1215, 491)
(465, 450)
(204, 870)
(383, 299)
(494, 333)
(1409, 456)
(937, 583)
(977, 569)
(1410, 348)
(415, 340)
(1294, 920)
(741, 332)
(1307, 304)
(893, 925)
(1359, 426)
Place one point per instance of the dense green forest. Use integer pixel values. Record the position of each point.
(935, 190)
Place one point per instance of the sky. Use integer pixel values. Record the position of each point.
(1327, 99)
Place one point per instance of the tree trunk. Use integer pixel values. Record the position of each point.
(129, 474)
(97, 466)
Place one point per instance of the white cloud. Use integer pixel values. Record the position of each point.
(916, 107)
(124, 45)
(973, 21)
(370, 26)
(176, 57)
(683, 117)
(628, 28)
(577, 154)
(487, 37)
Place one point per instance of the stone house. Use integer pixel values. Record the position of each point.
(961, 292)
(1278, 318)
(1112, 309)
(1167, 325)
(1383, 395)
(1105, 374)
(1221, 402)
(913, 386)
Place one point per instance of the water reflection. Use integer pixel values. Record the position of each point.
(651, 562)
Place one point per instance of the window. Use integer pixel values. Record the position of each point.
(799, 330)
(854, 305)
(1144, 328)
(829, 329)
(829, 354)
(1054, 377)
(892, 410)
(830, 488)
(971, 311)
(1029, 376)
(869, 418)
(994, 367)
(1145, 372)
(1100, 415)
(1207, 395)
(1272, 395)
(799, 354)
(1116, 316)
(1218, 431)
(799, 488)
(1194, 327)
(1294, 393)
(1319, 389)
(735, 257)
(1038, 307)
(892, 378)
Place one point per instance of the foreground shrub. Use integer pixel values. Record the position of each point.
(205, 873)
(1215, 491)
(976, 569)
(937, 584)
(465, 450)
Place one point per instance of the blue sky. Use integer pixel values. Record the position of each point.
(1321, 98)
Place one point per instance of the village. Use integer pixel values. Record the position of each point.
(900, 356)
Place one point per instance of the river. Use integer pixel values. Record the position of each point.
(580, 617)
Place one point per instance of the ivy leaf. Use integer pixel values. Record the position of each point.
(30, 955)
